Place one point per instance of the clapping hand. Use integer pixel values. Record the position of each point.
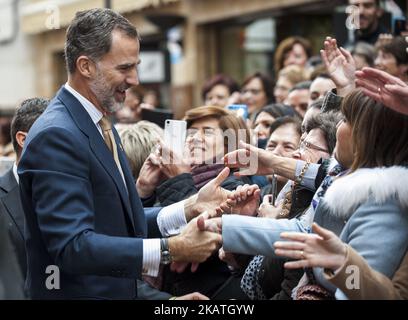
(150, 176)
(385, 88)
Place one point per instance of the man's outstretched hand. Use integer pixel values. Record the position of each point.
(193, 244)
(209, 198)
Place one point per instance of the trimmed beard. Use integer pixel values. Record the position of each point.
(104, 93)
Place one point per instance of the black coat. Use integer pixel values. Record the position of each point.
(11, 279)
(11, 209)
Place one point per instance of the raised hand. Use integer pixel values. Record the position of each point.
(172, 164)
(322, 249)
(340, 65)
(149, 177)
(385, 88)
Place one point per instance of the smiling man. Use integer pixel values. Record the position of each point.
(83, 214)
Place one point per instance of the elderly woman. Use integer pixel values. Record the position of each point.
(211, 133)
(325, 250)
(265, 277)
(366, 205)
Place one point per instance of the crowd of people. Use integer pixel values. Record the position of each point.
(305, 199)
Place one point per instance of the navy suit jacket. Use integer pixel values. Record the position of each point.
(79, 215)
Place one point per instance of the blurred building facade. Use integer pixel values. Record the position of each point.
(183, 41)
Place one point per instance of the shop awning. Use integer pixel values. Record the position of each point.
(39, 16)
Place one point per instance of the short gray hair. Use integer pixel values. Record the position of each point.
(327, 122)
(90, 34)
(138, 141)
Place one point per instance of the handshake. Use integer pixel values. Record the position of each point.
(202, 236)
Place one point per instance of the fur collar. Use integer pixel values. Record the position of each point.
(379, 184)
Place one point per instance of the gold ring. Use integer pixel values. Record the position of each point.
(301, 254)
(379, 89)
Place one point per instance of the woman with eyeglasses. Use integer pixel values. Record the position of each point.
(273, 281)
(211, 133)
(326, 250)
(365, 205)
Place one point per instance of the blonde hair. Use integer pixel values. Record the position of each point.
(295, 74)
(138, 140)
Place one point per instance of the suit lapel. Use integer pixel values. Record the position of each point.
(11, 201)
(97, 144)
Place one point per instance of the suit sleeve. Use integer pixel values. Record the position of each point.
(146, 292)
(152, 226)
(255, 236)
(55, 172)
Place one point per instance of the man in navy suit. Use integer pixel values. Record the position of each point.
(83, 215)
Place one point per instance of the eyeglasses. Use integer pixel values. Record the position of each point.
(305, 145)
(207, 132)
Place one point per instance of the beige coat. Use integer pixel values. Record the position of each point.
(373, 285)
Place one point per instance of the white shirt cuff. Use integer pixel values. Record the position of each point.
(151, 257)
(171, 219)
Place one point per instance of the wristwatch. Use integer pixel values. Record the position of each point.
(165, 257)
